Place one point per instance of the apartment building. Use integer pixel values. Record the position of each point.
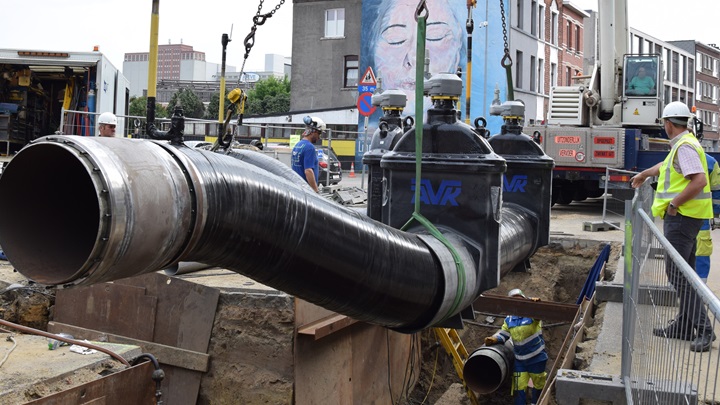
(707, 88)
(547, 50)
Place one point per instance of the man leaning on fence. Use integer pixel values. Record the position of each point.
(683, 200)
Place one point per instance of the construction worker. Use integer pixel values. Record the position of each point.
(106, 124)
(304, 156)
(530, 355)
(704, 239)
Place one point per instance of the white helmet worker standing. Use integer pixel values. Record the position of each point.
(677, 112)
(106, 124)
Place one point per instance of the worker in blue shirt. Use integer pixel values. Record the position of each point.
(530, 354)
(704, 239)
(304, 160)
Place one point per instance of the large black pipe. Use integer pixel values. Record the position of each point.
(488, 367)
(85, 210)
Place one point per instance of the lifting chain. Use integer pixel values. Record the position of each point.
(506, 61)
(258, 19)
(421, 9)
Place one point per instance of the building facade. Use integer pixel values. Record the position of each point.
(707, 88)
(326, 50)
(176, 62)
(546, 43)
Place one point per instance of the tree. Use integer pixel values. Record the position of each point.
(138, 107)
(270, 96)
(191, 104)
(213, 107)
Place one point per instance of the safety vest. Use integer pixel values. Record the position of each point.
(714, 180)
(527, 338)
(671, 184)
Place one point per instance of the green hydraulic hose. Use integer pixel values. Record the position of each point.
(419, 112)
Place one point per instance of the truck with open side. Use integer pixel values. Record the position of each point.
(40, 89)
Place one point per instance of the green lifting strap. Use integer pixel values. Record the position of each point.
(419, 112)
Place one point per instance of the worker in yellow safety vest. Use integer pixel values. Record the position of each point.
(683, 200)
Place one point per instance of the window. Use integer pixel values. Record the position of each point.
(541, 76)
(335, 23)
(541, 19)
(533, 77)
(568, 76)
(577, 38)
(569, 36)
(554, 28)
(553, 74)
(533, 18)
(675, 68)
(520, 16)
(351, 71)
(518, 69)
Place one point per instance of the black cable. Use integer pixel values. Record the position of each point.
(158, 375)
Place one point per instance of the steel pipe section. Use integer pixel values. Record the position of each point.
(84, 210)
(488, 367)
(517, 237)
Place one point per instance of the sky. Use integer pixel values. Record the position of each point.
(670, 20)
(120, 26)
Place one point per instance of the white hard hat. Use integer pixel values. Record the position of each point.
(107, 118)
(315, 123)
(516, 292)
(677, 112)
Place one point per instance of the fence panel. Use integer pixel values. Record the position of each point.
(657, 369)
(617, 191)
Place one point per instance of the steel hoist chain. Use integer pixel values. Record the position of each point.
(258, 19)
(506, 61)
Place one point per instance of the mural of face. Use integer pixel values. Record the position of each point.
(396, 43)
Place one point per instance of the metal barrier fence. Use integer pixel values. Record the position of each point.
(658, 369)
(617, 191)
(85, 123)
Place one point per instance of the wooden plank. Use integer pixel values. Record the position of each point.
(545, 310)
(566, 354)
(130, 386)
(169, 355)
(186, 310)
(325, 326)
(114, 308)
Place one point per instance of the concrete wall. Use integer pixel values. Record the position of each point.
(318, 62)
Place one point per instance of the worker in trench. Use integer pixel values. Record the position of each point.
(530, 354)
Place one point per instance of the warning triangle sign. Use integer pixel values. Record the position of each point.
(368, 78)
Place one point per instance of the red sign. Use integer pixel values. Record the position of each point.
(604, 140)
(604, 154)
(368, 78)
(574, 140)
(364, 104)
(566, 153)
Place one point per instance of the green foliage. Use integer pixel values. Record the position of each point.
(191, 104)
(270, 96)
(138, 107)
(213, 108)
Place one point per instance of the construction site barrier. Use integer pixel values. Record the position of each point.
(659, 370)
(617, 190)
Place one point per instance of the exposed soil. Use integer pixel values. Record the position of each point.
(556, 274)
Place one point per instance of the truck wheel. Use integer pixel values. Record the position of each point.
(566, 195)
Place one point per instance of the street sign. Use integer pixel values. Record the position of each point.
(364, 104)
(368, 78)
(365, 88)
